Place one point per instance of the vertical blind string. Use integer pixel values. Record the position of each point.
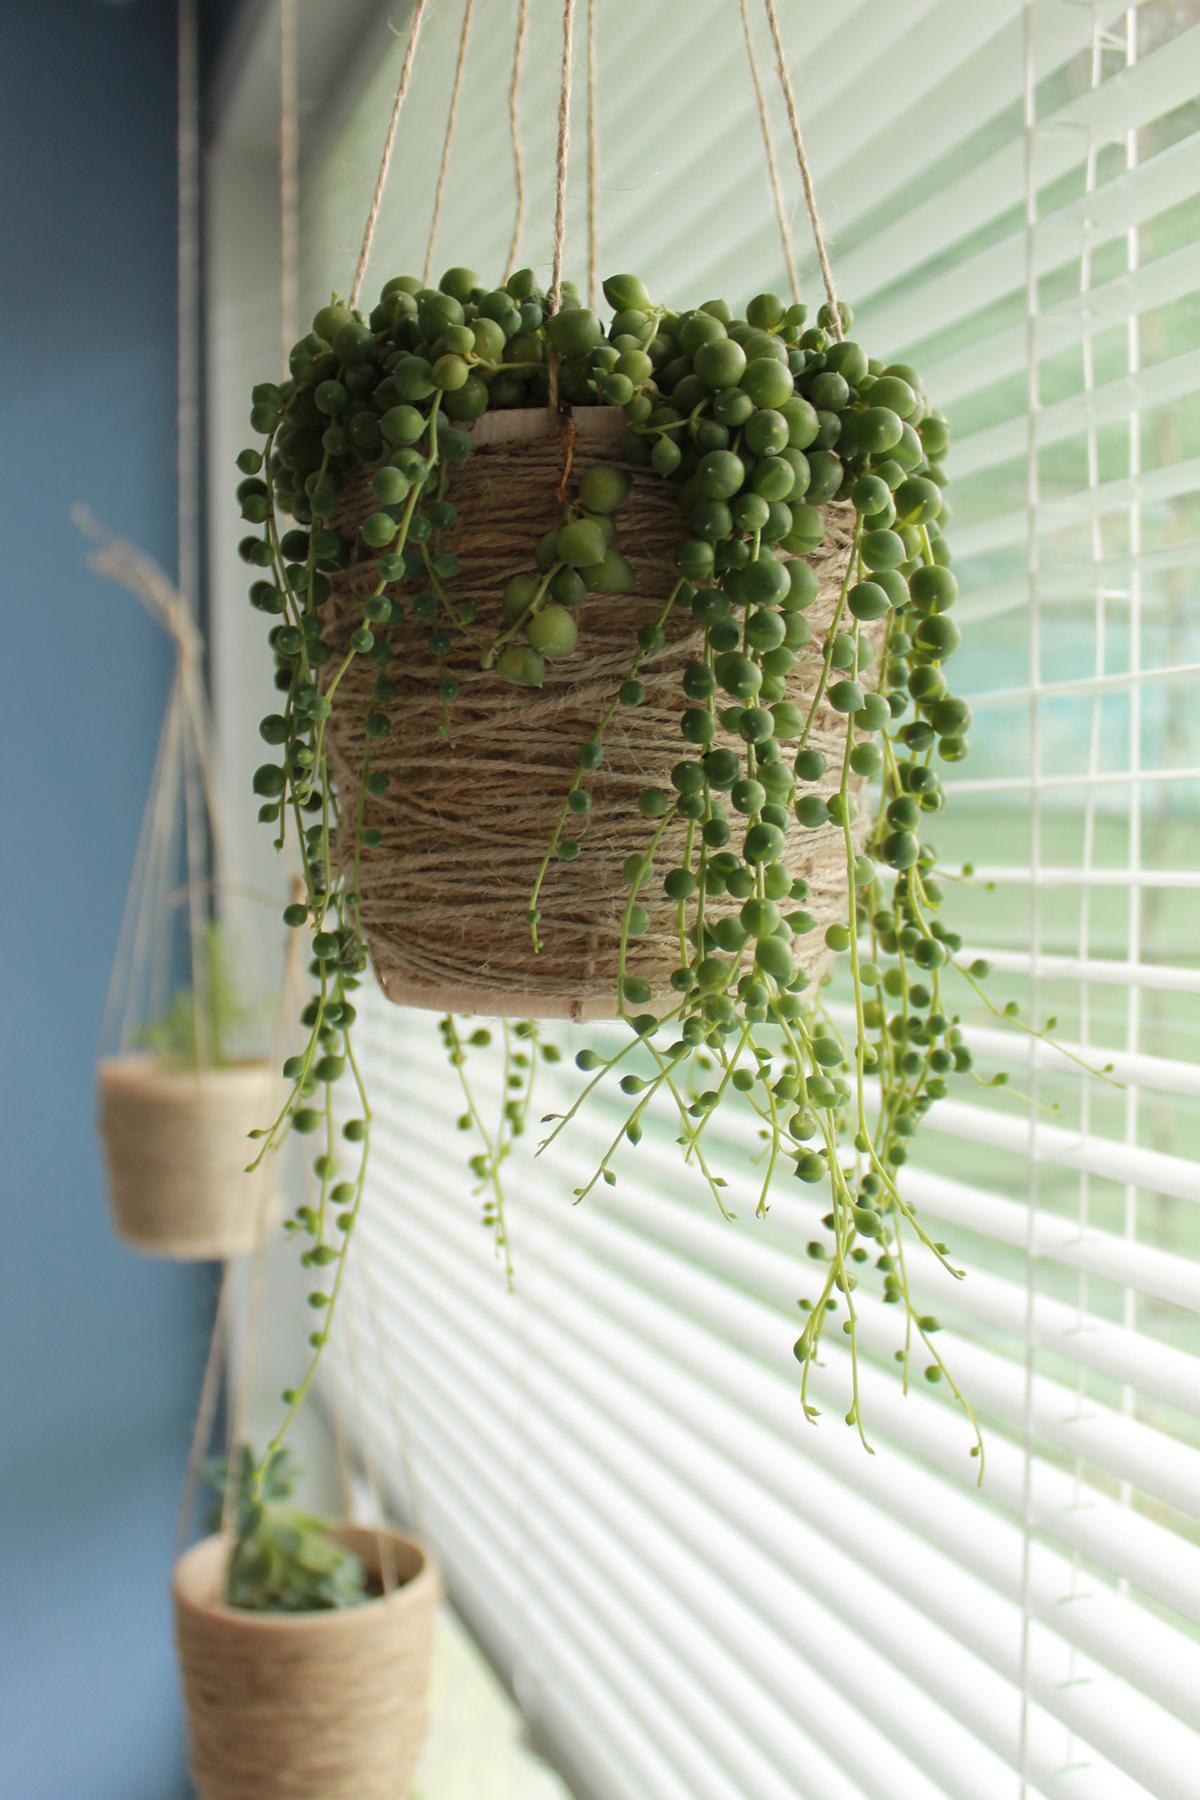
(806, 180)
(1032, 515)
(383, 1543)
(764, 122)
(514, 128)
(464, 37)
(389, 144)
(400, 1431)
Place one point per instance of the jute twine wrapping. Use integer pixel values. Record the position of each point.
(306, 1706)
(464, 826)
(176, 1145)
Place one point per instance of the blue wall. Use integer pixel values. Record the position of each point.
(101, 1350)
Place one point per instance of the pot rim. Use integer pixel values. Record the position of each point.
(129, 1067)
(195, 1569)
(513, 425)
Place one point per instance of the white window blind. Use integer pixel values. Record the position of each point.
(693, 1592)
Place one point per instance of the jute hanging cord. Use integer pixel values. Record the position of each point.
(289, 176)
(187, 736)
(806, 180)
(562, 156)
(560, 184)
(156, 593)
(430, 927)
(389, 144)
(593, 163)
(764, 124)
(175, 1136)
(514, 126)
(448, 139)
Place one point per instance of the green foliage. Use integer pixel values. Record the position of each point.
(214, 1037)
(283, 1560)
(758, 423)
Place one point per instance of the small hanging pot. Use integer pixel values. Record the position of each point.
(307, 1706)
(176, 1145)
(176, 1127)
(464, 824)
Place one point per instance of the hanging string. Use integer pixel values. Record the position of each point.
(781, 218)
(291, 994)
(143, 905)
(130, 568)
(341, 1453)
(593, 159)
(187, 428)
(564, 150)
(400, 1431)
(515, 134)
(206, 1410)
(181, 742)
(216, 1362)
(448, 139)
(187, 278)
(806, 180)
(196, 758)
(560, 182)
(385, 1548)
(156, 597)
(389, 143)
(289, 176)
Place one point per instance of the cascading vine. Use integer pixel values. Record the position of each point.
(759, 423)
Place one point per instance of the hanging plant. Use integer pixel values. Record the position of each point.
(179, 1084)
(175, 1113)
(305, 1650)
(636, 711)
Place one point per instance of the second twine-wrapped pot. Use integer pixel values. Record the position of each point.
(176, 1144)
(464, 824)
(307, 1706)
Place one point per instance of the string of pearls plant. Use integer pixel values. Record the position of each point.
(759, 422)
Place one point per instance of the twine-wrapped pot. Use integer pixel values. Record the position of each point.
(464, 825)
(176, 1146)
(307, 1706)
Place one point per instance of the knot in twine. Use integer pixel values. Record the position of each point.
(129, 567)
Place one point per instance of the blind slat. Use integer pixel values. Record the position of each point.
(703, 1621)
(1145, 1554)
(1111, 402)
(573, 1315)
(1107, 304)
